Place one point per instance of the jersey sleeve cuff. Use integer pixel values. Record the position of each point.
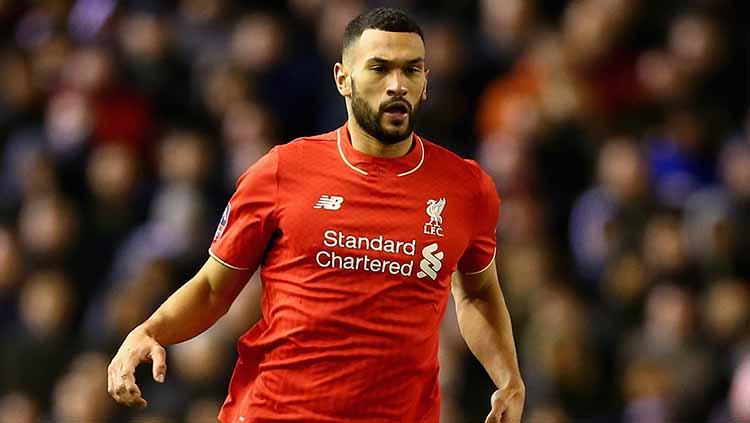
(492, 260)
(223, 262)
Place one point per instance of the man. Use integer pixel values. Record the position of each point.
(358, 233)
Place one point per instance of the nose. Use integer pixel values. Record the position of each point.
(397, 85)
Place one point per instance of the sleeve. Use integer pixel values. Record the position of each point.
(249, 220)
(482, 245)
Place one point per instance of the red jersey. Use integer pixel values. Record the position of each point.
(356, 255)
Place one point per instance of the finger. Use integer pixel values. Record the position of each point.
(110, 382)
(132, 396)
(159, 359)
(128, 393)
(137, 402)
(120, 393)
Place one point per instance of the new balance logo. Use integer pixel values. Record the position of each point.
(329, 202)
(431, 263)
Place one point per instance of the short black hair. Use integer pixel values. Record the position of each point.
(382, 18)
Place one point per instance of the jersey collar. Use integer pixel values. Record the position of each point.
(366, 164)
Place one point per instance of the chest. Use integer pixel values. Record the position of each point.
(406, 227)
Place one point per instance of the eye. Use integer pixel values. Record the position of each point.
(377, 69)
(413, 70)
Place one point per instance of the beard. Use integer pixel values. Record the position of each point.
(371, 121)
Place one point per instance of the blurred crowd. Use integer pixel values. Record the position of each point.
(616, 132)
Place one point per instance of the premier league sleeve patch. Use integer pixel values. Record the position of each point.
(223, 222)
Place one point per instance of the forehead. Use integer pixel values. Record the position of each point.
(397, 46)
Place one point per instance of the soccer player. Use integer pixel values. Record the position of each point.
(360, 235)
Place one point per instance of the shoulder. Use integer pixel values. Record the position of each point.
(465, 171)
(300, 149)
(305, 148)
(282, 155)
(313, 141)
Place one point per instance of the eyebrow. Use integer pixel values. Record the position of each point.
(384, 61)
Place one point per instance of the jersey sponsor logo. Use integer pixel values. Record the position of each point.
(434, 212)
(431, 262)
(329, 202)
(349, 255)
(223, 222)
(353, 252)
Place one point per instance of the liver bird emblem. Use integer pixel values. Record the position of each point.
(434, 210)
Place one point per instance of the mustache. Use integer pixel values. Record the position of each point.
(401, 101)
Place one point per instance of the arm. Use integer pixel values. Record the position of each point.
(192, 309)
(485, 325)
(197, 305)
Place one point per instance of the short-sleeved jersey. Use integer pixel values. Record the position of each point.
(356, 255)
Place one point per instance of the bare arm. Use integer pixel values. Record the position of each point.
(485, 325)
(197, 305)
(192, 309)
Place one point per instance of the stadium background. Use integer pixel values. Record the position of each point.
(616, 131)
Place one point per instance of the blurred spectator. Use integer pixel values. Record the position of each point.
(152, 64)
(726, 311)
(200, 25)
(211, 353)
(679, 163)
(610, 217)
(647, 391)
(202, 410)
(19, 408)
(11, 269)
(558, 352)
(48, 230)
(667, 339)
(17, 93)
(248, 133)
(37, 348)
(81, 394)
(115, 312)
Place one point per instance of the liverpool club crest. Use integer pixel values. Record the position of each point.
(434, 212)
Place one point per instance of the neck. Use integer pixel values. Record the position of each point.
(367, 144)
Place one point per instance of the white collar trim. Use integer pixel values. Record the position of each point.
(356, 169)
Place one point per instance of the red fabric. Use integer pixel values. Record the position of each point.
(347, 341)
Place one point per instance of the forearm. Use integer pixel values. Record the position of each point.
(485, 325)
(185, 314)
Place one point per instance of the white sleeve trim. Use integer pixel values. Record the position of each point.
(211, 253)
(494, 251)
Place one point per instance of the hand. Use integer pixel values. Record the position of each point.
(137, 348)
(507, 405)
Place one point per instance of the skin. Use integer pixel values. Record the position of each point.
(192, 309)
(484, 322)
(381, 66)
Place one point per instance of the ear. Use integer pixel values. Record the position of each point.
(424, 90)
(340, 76)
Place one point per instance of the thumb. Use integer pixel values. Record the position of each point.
(159, 359)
